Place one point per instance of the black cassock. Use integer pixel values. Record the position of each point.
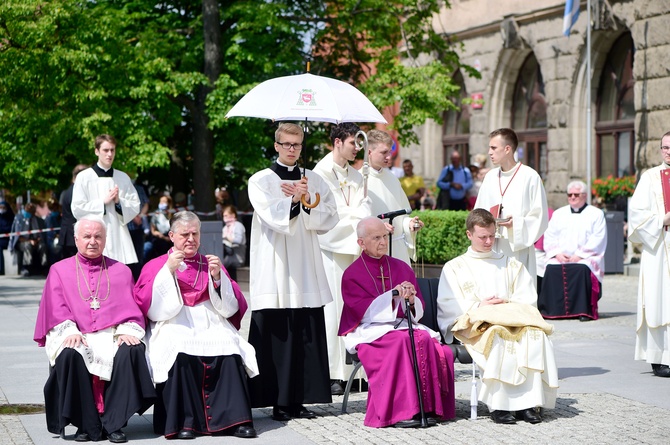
(569, 291)
(68, 392)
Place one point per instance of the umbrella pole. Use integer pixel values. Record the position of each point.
(363, 145)
(317, 196)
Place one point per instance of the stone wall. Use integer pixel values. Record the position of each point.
(563, 65)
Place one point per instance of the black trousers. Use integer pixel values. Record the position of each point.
(458, 204)
(569, 291)
(68, 394)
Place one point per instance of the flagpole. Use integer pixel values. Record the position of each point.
(588, 99)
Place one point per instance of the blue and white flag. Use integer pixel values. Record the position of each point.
(570, 16)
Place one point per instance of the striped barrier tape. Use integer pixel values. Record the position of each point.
(28, 232)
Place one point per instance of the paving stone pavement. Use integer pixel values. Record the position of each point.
(605, 397)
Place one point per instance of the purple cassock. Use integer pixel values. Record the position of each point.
(386, 352)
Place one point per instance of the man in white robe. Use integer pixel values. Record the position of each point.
(487, 300)
(514, 194)
(574, 244)
(338, 245)
(386, 195)
(104, 191)
(288, 284)
(648, 225)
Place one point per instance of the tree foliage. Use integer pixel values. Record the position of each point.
(135, 69)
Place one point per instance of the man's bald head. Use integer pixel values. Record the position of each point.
(373, 237)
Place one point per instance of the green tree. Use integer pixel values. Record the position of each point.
(160, 76)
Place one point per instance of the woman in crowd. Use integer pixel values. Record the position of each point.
(160, 228)
(234, 241)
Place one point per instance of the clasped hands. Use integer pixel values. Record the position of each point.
(406, 291)
(563, 258)
(492, 300)
(176, 257)
(112, 195)
(296, 190)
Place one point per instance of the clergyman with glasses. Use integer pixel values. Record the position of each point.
(649, 225)
(288, 285)
(574, 243)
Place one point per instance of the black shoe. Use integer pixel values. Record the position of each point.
(303, 413)
(584, 318)
(409, 423)
(661, 370)
(504, 417)
(529, 415)
(245, 431)
(281, 414)
(430, 421)
(336, 387)
(185, 435)
(117, 437)
(81, 436)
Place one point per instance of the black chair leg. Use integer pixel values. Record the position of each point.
(347, 389)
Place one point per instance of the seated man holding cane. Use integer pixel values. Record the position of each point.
(373, 323)
(488, 301)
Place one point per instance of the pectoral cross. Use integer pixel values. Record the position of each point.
(95, 304)
(381, 271)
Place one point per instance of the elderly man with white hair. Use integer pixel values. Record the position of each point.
(575, 243)
(92, 331)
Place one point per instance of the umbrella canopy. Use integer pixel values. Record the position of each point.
(307, 97)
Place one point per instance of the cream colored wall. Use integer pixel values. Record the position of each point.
(466, 14)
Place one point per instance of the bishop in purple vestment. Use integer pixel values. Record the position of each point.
(374, 325)
(200, 363)
(91, 329)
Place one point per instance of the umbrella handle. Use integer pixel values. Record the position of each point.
(317, 199)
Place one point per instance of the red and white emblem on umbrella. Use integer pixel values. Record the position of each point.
(306, 97)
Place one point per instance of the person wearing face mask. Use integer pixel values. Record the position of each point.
(29, 248)
(160, 227)
(6, 219)
(234, 241)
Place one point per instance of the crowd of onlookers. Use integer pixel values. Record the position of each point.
(51, 222)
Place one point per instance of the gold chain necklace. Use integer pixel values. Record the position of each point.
(95, 301)
(381, 269)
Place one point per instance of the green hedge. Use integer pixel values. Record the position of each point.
(443, 238)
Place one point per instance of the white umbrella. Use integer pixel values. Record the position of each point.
(307, 97)
(310, 98)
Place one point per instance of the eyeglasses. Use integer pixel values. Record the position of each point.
(288, 145)
(665, 148)
(575, 195)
